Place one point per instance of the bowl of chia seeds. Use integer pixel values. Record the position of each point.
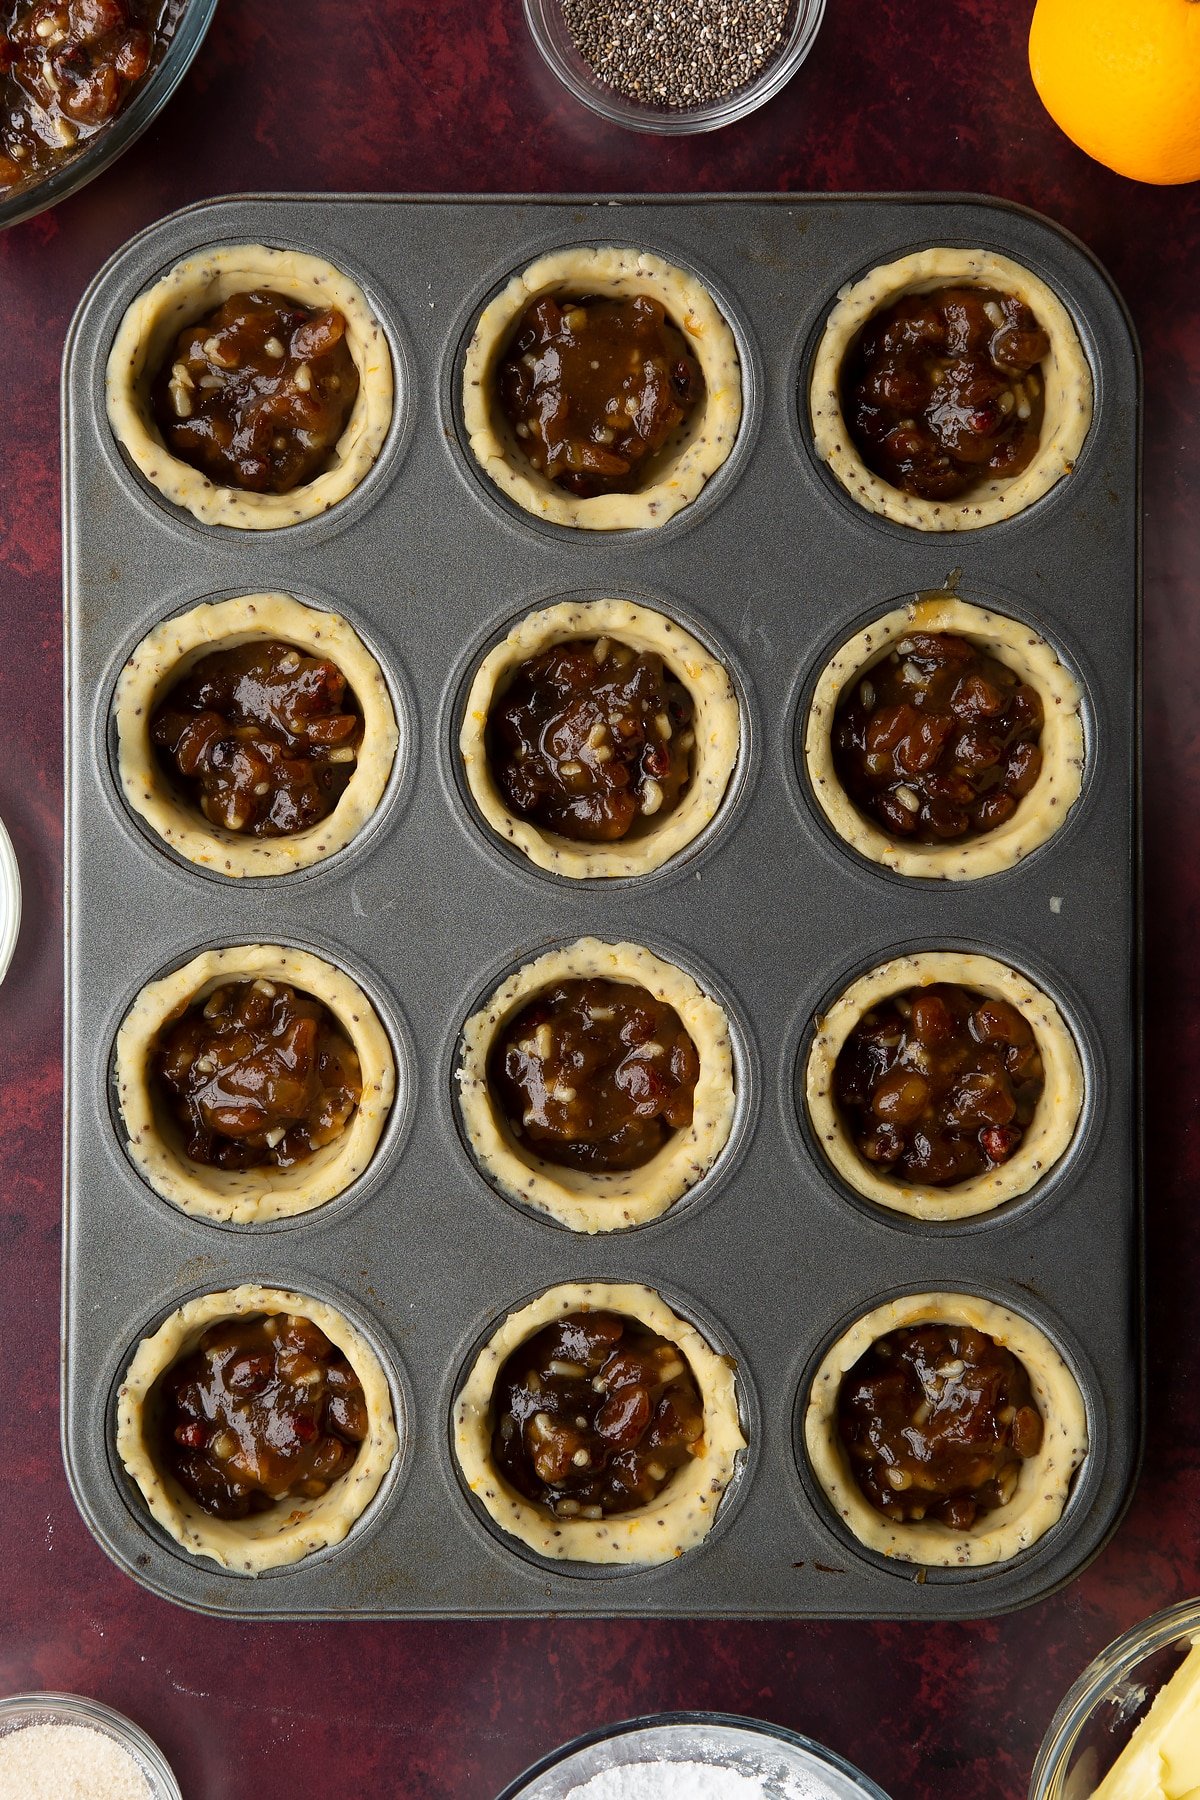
(673, 65)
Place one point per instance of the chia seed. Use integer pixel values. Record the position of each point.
(676, 53)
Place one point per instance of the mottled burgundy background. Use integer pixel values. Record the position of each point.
(389, 94)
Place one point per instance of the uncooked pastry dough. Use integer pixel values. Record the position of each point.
(250, 1196)
(684, 1511)
(1066, 378)
(167, 653)
(1050, 1130)
(576, 1197)
(715, 724)
(188, 292)
(294, 1527)
(1045, 1479)
(676, 474)
(1039, 814)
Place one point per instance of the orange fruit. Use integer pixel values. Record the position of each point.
(1122, 79)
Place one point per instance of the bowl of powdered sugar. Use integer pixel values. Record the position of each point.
(693, 1756)
(64, 1747)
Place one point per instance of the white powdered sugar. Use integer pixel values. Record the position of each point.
(67, 1762)
(684, 1781)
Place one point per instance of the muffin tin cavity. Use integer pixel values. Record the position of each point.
(1057, 1461)
(1012, 1171)
(263, 1057)
(597, 1198)
(301, 1528)
(707, 736)
(673, 475)
(592, 1539)
(895, 637)
(1064, 392)
(760, 915)
(362, 766)
(192, 291)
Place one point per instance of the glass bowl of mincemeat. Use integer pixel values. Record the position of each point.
(1129, 1729)
(80, 80)
(651, 68)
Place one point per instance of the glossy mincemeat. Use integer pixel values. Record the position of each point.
(936, 1421)
(67, 69)
(944, 391)
(263, 738)
(594, 387)
(257, 393)
(938, 1084)
(261, 1410)
(592, 739)
(594, 1414)
(939, 741)
(595, 1075)
(256, 1073)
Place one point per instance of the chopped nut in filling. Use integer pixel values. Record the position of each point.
(262, 1409)
(943, 391)
(257, 393)
(592, 739)
(594, 1414)
(938, 1084)
(939, 741)
(593, 387)
(67, 68)
(263, 737)
(594, 1075)
(936, 1421)
(256, 1073)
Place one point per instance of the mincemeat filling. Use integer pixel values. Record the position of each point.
(594, 1414)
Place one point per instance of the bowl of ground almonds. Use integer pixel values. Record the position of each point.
(68, 1747)
(693, 66)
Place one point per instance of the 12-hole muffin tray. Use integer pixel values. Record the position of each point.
(772, 567)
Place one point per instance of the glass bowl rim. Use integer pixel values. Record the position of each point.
(129, 124)
(1112, 1663)
(649, 1721)
(80, 1709)
(616, 108)
(10, 900)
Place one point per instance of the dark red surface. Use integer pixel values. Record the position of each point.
(385, 94)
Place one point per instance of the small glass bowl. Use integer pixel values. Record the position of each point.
(10, 900)
(128, 125)
(789, 1762)
(550, 34)
(75, 1709)
(1099, 1715)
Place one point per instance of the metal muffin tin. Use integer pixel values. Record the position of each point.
(773, 566)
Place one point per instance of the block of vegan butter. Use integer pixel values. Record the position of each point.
(1161, 1761)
